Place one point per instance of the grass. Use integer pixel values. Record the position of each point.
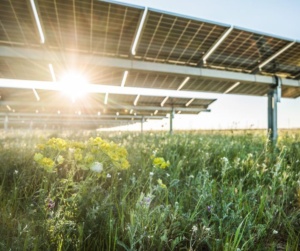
(221, 191)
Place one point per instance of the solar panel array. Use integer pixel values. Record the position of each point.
(109, 29)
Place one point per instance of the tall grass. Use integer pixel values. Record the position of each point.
(221, 192)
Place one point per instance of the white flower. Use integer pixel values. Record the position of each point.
(71, 150)
(108, 176)
(194, 228)
(224, 159)
(151, 173)
(168, 175)
(16, 171)
(97, 167)
(275, 232)
(191, 176)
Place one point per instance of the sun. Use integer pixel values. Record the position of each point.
(74, 85)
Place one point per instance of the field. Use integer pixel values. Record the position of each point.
(153, 191)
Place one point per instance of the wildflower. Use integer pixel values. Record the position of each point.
(160, 163)
(57, 144)
(71, 150)
(194, 228)
(161, 184)
(78, 154)
(124, 164)
(275, 232)
(165, 164)
(207, 229)
(16, 171)
(225, 160)
(151, 173)
(168, 175)
(47, 164)
(108, 176)
(37, 157)
(51, 204)
(146, 201)
(209, 208)
(60, 159)
(97, 167)
(191, 176)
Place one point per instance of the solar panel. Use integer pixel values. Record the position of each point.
(91, 26)
(16, 26)
(87, 36)
(287, 64)
(243, 50)
(172, 39)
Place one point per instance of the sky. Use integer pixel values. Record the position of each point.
(276, 17)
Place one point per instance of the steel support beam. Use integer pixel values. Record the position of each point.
(6, 123)
(108, 106)
(274, 96)
(171, 120)
(70, 123)
(142, 124)
(94, 88)
(272, 115)
(71, 116)
(129, 64)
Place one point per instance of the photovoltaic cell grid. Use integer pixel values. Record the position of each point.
(108, 29)
(16, 25)
(245, 50)
(176, 40)
(287, 63)
(89, 26)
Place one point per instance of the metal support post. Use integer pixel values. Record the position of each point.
(142, 124)
(171, 120)
(274, 96)
(272, 115)
(6, 123)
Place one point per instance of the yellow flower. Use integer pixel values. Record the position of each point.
(165, 164)
(78, 154)
(57, 144)
(161, 184)
(157, 161)
(41, 147)
(37, 157)
(47, 164)
(124, 164)
(160, 162)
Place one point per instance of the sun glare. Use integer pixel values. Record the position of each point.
(73, 84)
